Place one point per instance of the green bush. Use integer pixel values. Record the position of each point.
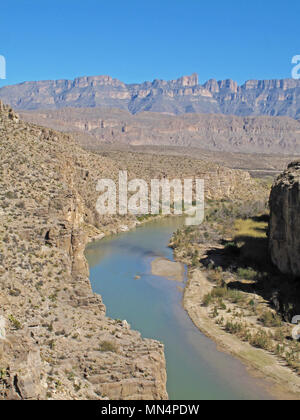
(247, 273)
(106, 346)
(233, 328)
(261, 340)
(220, 293)
(270, 319)
(17, 324)
(207, 299)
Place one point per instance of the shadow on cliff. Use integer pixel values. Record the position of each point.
(248, 259)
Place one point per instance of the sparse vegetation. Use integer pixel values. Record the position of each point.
(231, 247)
(106, 346)
(16, 324)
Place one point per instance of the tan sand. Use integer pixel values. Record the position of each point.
(171, 270)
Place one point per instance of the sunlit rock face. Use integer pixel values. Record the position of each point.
(181, 96)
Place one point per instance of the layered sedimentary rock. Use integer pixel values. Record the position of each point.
(212, 132)
(185, 95)
(285, 221)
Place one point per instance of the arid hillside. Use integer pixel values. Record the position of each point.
(258, 165)
(55, 339)
(219, 133)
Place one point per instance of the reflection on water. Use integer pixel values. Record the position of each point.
(152, 305)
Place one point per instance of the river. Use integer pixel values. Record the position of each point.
(120, 271)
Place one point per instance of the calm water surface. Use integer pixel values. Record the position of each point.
(152, 305)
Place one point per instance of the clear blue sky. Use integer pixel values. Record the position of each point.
(137, 40)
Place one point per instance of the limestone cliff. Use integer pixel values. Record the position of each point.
(184, 95)
(285, 221)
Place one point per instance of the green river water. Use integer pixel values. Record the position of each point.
(152, 305)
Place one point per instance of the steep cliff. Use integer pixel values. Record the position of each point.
(285, 221)
(184, 95)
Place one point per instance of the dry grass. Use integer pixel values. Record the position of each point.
(251, 228)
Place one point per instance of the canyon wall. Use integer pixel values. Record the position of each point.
(285, 221)
(55, 339)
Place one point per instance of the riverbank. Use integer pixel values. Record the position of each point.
(237, 297)
(284, 384)
(280, 380)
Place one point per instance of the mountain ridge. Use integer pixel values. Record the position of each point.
(184, 95)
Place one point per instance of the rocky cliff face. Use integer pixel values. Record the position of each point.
(55, 339)
(185, 95)
(285, 221)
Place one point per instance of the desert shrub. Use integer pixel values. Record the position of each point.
(270, 319)
(16, 324)
(216, 276)
(20, 205)
(233, 328)
(11, 195)
(195, 261)
(221, 304)
(247, 273)
(106, 346)
(279, 335)
(261, 340)
(235, 296)
(220, 293)
(215, 312)
(207, 299)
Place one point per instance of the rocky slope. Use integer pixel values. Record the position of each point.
(185, 95)
(285, 222)
(55, 339)
(96, 126)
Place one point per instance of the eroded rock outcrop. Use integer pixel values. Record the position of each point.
(285, 221)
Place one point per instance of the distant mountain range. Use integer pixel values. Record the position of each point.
(185, 95)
